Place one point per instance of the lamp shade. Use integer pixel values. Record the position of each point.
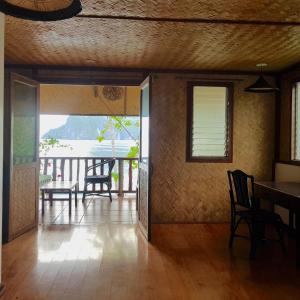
(261, 85)
(41, 10)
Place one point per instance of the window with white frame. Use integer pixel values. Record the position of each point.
(209, 122)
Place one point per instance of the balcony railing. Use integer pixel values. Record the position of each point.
(124, 177)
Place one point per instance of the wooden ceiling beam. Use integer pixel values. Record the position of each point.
(144, 71)
(192, 20)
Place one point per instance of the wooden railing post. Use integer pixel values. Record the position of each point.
(78, 169)
(94, 173)
(86, 164)
(130, 176)
(121, 177)
(45, 166)
(62, 169)
(70, 169)
(54, 170)
(101, 172)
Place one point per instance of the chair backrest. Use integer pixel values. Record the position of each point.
(241, 188)
(111, 164)
(101, 167)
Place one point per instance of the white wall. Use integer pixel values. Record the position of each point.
(285, 172)
(1, 119)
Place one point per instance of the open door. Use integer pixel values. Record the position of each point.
(145, 162)
(21, 156)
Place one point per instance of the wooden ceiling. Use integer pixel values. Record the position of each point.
(203, 35)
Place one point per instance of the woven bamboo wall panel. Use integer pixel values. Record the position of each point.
(198, 192)
(278, 10)
(138, 44)
(23, 200)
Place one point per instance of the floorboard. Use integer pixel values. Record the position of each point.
(113, 261)
(95, 210)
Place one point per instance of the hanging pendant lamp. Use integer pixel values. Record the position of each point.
(41, 10)
(261, 85)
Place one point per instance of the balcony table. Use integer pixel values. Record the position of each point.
(59, 187)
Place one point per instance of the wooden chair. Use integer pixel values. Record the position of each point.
(245, 207)
(95, 178)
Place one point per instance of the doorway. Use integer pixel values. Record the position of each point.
(81, 126)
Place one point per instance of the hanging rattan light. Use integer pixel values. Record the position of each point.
(41, 10)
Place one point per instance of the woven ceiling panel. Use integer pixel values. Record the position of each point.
(272, 10)
(123, 43)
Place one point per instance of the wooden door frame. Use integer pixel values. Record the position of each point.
(148, 81)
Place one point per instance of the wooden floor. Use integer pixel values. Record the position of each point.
(113, 261)
(95, 210)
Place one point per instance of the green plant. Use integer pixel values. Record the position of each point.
(115, 177)
(113, 125)
(133, 153)
(47, 144)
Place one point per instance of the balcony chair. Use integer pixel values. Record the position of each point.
(91, 177)
(245, 207)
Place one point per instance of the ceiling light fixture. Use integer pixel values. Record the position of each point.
(261, 85)
(41, 10)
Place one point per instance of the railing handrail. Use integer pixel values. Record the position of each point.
(87, 157)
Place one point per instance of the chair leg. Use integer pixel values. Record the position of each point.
(109, 191)
(253, 240)
(280, 232)
(84, 192)
(51, 198)
(231, 239)
(232, 232)
(253, 247)
(233, 227)
(260, 231)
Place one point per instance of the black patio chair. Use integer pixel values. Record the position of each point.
(91, 177)
(245, 207)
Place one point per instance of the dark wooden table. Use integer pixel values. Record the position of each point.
(287, 195)
(59, 187)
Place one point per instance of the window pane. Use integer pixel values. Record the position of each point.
(209, 130)
(24, 124)
(297, 123)
(145, 125)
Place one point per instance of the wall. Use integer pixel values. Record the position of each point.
(87, 99)
(198, 192)
(1, 119)
(286, 172)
